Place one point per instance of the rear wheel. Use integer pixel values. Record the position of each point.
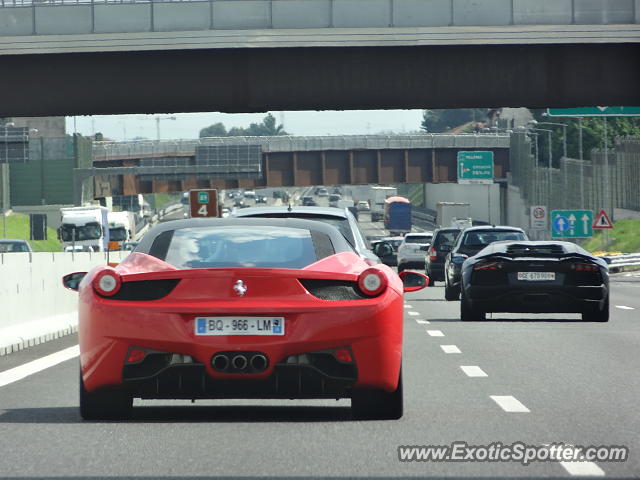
(598, 314)
(450, 293)
(401, 267)
(370, 404)
(113, 404)
(468, 312)
(432, 282)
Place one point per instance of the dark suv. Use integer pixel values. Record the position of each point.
(470, 242)
(441, 245)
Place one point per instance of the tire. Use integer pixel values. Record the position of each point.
(369, 404)
(597, 314)
(400, 267)
(450, 293)
(468, 313)
(113, 404)
(432, 282)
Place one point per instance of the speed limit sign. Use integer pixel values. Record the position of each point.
(538, 217)
(203, 203)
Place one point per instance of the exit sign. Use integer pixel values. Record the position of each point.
(203, 203)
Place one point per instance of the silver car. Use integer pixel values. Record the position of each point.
(341, 218)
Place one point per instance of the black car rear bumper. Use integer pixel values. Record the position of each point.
(537, 298)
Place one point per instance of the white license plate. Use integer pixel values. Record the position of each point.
(239, 326)
(536, 276)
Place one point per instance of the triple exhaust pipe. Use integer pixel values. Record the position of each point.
(236, 362)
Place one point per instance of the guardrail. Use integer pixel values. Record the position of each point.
(620, 263)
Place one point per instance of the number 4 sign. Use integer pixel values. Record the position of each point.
(203, 203)
(602, 220)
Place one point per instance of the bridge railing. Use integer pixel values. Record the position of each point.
(119, 16)
(285, 143)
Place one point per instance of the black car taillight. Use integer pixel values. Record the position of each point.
(433, 254)
(488, 266)
(333, 289)
(142, 290)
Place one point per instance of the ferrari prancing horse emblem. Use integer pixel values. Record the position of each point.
(240, 288)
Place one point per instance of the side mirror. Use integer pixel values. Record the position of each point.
(445, 247)
(383, 249)
(72, 280)
(413, 281)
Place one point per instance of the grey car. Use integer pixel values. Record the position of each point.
(341, 218)
(10, 245)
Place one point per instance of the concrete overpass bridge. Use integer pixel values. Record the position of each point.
(97, 57)
(128, 168)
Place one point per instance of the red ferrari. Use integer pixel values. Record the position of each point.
(242, 308)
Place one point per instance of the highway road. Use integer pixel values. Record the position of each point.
(538, 379)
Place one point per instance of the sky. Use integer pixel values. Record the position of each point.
(188, 125)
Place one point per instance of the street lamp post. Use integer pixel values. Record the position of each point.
(158, 118)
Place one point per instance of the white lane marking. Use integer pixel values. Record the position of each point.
(22, 371)
(624, 307)
(588, 469)
(473, 371)
(509, 404)
(406, 305)
(435, 333)
(414, 314)
(423, 322)
(450, 349)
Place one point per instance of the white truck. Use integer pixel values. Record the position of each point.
(376, 201)
(122, 228)
(449, 213)
(84, 229)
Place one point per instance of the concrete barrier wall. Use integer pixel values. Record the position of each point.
(263, 14)
(31, 291)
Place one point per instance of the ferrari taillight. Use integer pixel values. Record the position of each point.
(343, 354)
(372, 282)
(107, 282)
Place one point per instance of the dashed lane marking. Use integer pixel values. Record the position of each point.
(413, 314)
(509, 404)
(450, 349)
(624, 307)
(435, 333)
(406, 305)
(22, 371)
(422, 322)
(473, 371)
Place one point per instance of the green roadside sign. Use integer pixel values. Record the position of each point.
(595, 112)
(571, 223)
(203, 197)
(475, 167)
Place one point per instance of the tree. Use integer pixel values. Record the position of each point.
(215, 130)
(592, 134)
(267, 127)
(438, 121)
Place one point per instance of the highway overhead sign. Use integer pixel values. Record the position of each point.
(538, 217)
(475, 167)
(595, 112)
(571, 223)
(203, 203)
(602, 220)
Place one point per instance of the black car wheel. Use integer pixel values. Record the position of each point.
(450, 293)
(432, 282)
(468, 312)
(104, 405)
(400, 267)
(369, 404)
(597, 314)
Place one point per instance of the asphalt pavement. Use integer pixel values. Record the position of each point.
(536, 379)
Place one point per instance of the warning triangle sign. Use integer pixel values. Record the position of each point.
(602, 220)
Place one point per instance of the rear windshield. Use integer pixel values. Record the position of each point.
(446, 238)
(342, 224)
(418, 239)
(479, 237)
(6, 247)
(240, 246)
